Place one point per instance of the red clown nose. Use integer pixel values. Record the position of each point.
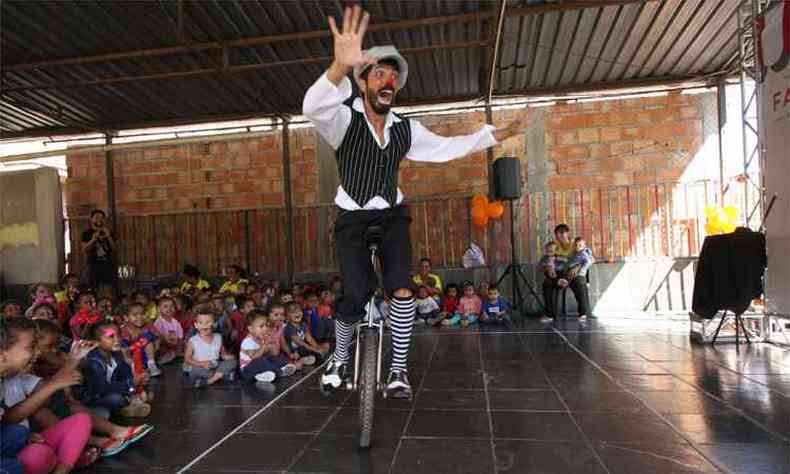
(391, 82)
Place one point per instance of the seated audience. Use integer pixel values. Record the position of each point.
(205, 358)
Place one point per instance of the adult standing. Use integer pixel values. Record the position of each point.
(369, 142)
(576, 279)
(99, 245)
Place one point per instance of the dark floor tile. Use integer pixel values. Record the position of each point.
(460, 424)
(343, 455)
(451, 399)
(652, 458)
(653, 382)
(289, 420)
(683, 402)
(516, 379)
(386, 423)
(434, 456)
(593, 381)
(472, 380)
(604, 402)
(529, 400)
(721, 428)
(254, 452)
(160, 451)
(627, 428)
(765, 458)
(198, 419)
(304, 397)
(455, 365)
(778, 383)
(543, 426)
(513, 457)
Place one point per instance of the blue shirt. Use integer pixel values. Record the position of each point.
(300, 331)
(491, 308)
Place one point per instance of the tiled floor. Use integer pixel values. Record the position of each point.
(621, 397)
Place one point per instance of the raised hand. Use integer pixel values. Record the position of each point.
(348, 41)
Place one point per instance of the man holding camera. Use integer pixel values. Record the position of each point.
(98, 244)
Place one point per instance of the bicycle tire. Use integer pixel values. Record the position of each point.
(367, 385)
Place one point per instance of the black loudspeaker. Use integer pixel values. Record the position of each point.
(507, 178)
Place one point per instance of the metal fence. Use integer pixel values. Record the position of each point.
(619, 223)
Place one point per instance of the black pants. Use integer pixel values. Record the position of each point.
(103, 274)
(359, 278)
(579, 288)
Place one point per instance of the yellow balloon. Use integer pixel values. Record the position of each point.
(732, 214)
(710, 212)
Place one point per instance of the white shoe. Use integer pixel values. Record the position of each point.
(308, 360)
(418, 321)
(267, 376)
(288, 370)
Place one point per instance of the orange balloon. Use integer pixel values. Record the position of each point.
(478, 212)
(495, 209)
(480, 221)
(479, 200)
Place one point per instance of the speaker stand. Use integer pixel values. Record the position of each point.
(516, 273)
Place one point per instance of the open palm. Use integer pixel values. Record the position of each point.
(348, 41)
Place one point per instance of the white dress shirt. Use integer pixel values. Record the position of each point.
(323, 106)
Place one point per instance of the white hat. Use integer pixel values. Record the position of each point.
(386, 52)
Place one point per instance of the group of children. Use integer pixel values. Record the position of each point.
(484, 305)
(74, 362)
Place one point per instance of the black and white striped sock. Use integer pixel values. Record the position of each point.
(401, 322)
(344, 334)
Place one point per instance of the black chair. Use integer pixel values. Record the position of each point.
(562, 293)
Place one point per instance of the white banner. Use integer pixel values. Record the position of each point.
(775, 129)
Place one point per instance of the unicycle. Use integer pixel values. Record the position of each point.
(367, 356)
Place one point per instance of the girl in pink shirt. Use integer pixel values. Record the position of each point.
(470, 305)
(169, 329)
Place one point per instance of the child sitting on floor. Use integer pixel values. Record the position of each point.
(205, 358)
(495, 308)
(470, 305)
(259, 357)
(427, 307)
(238, 321)
(86, 315)
(140, 340)
(298, 338)
(324, 308)
(109, 381)
(59, 448)
(448, 316)
(169, 330)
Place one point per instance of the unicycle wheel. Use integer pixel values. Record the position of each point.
(367, 385)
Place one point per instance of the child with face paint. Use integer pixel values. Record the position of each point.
(86, 315)
(140, 339)
(109, 381)
(205, 358)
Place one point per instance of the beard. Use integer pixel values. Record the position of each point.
(373, 98)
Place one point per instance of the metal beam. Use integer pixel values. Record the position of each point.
(317, 34)
(229, 69)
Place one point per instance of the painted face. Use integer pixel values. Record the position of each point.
(381, 88)
(109, 338)
(43, 312)
(19, 356)
(167, 308)
(277, 315)
(204, 324)
(136, 317)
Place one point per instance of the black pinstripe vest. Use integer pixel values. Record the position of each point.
(365, 169)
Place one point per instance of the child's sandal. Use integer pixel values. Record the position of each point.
(107, 451)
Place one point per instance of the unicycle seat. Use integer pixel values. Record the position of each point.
(373, 236)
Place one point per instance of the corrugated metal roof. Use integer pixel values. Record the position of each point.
(448, 45)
